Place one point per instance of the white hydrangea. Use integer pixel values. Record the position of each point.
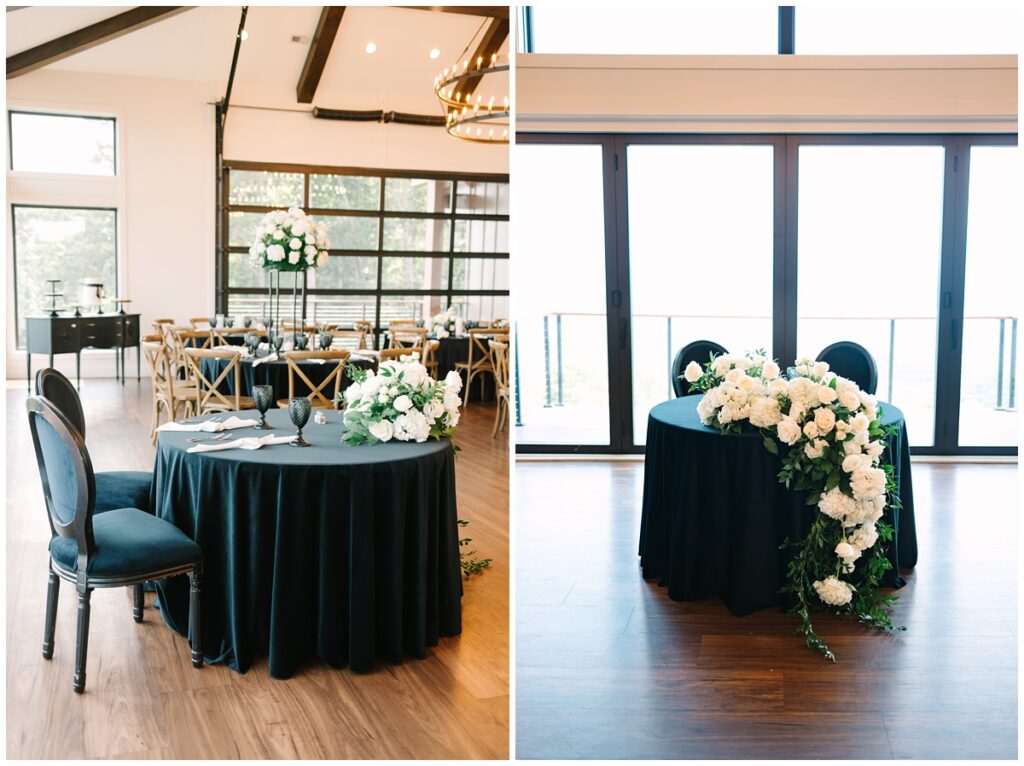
(835, 504)
(833, 591)
(765, 412)
(867, 483)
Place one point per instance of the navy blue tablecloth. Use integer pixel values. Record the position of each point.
(333, 552)
(715, 514)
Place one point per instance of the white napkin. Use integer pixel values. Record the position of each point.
(249, 442)
(209, 426)
(267, 358)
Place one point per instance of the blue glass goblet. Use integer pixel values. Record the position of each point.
(263, 396)
(326, 339)
(299, 409)
(300, 340)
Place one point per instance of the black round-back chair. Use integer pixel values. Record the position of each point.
(122, 547)
(114, 489)
(699, 351)
(851, 360)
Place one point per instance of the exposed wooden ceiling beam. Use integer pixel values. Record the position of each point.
(319, 50)
(87, 37)
(490, 44)
(494, 11)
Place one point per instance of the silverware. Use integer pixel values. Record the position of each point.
(217, 438)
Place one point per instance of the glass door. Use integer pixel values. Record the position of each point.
(990, 332)
(563, 381)
(701, 219)
(869, 255)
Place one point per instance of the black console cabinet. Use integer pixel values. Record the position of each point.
(69, 335)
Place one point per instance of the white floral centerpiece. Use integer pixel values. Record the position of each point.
(400, 401)
(446, 323)
(836, 440)
(289, 240)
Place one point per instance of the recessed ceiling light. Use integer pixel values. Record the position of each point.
(245, 35)
(434, 53)
(371, 47)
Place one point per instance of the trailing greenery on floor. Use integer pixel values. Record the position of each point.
(470, 565)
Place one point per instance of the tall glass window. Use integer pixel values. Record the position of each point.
(560, 289)
(63, 143)
(701, 233)
(988, 382)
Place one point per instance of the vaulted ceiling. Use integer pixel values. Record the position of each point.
(196, 44)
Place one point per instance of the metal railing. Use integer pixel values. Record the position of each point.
(553, 377)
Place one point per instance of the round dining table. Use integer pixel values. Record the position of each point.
(333, 552)
(715, 514)
(275, 373)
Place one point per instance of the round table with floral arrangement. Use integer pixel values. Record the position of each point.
(344, 551)
(717, 511)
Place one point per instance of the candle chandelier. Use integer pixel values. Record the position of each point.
(469, 115)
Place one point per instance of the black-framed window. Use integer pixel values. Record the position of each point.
(900, 207)
(812, 30)
(404, 244)
(65, 243)
(43, 142)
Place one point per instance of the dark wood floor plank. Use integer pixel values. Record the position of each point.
(145, 700)
(609, 667)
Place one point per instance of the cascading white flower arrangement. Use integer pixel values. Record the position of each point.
(289, 240)
(836, 441)
(400, 401)
(445, 323)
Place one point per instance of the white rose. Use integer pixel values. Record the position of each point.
(299, 228)
(721, 365)
(833, 591)
(434, 408)
(403, 403)
(294, 256)
(849, 400)
(770, 370)
(322, 259)
(826, 395)
(819, 369)
(261, 248)
(778, 387)
(810, 429)
(278, 234)
(855, 462)
(706, 410)
(824, 419)
(814, 449)
(734, 375)
(310, 251)
(788, 430)
(383, 430)
(275, 253)
(874, 450)
(414, 374)
(310, 239)
(693, 372)
(860, 423)
(295, 244)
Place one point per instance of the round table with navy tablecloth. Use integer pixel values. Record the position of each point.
(275, 374)
(335, 552)
(715, 514)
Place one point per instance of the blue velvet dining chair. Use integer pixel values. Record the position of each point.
(851, 360)
(114, 489)
(122, 547)
(699, 351)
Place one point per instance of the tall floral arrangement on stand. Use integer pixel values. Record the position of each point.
(289, 240)
(835, 442)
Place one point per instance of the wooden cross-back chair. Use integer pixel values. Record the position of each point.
(209, 397)
(499, 361)
(387, 354)
(478, 361)
(158, 325)
(353, 340)
(197, 321)
(121, 547)
(331, 383)
(430, 357)
(407, 337)
(169, 393)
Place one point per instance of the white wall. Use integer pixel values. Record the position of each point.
(164, 193)
(766, 93)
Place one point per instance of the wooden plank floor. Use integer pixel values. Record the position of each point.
(144, 699)
(608, 667)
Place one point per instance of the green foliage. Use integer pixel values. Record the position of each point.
(470, 565)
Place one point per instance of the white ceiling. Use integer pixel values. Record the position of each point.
(197, 45)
